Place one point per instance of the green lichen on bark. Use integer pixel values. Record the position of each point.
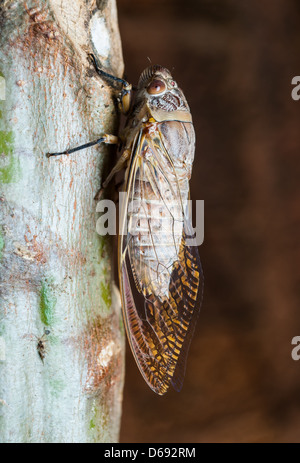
(106, 294)
(9, 164)
(47, 303)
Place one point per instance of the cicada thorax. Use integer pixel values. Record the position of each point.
(165, 270)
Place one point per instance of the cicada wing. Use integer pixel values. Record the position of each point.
(141, 332)
(186, 285)
(159, 325)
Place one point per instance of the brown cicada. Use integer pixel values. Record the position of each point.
(160, 273)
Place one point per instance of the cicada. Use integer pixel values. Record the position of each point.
(161, 278)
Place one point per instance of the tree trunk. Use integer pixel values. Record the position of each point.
(61, 334)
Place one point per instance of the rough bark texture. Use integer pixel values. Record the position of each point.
(55, 271)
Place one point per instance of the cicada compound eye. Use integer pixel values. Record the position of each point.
(156, 87)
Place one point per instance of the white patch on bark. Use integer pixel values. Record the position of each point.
(100, 35)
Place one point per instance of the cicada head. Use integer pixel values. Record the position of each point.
(160, 92)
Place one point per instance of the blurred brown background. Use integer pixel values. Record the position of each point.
(235, 60)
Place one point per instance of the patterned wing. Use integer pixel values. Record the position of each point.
(160, 271)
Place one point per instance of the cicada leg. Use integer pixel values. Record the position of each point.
(124, 99)
(121, 164)
(124, 102)
(108, 139)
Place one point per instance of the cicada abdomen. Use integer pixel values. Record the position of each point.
(155, 250)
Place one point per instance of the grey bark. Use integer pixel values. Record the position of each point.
(55, 271)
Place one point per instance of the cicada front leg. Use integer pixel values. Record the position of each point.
(125, 96)
(124, 103)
